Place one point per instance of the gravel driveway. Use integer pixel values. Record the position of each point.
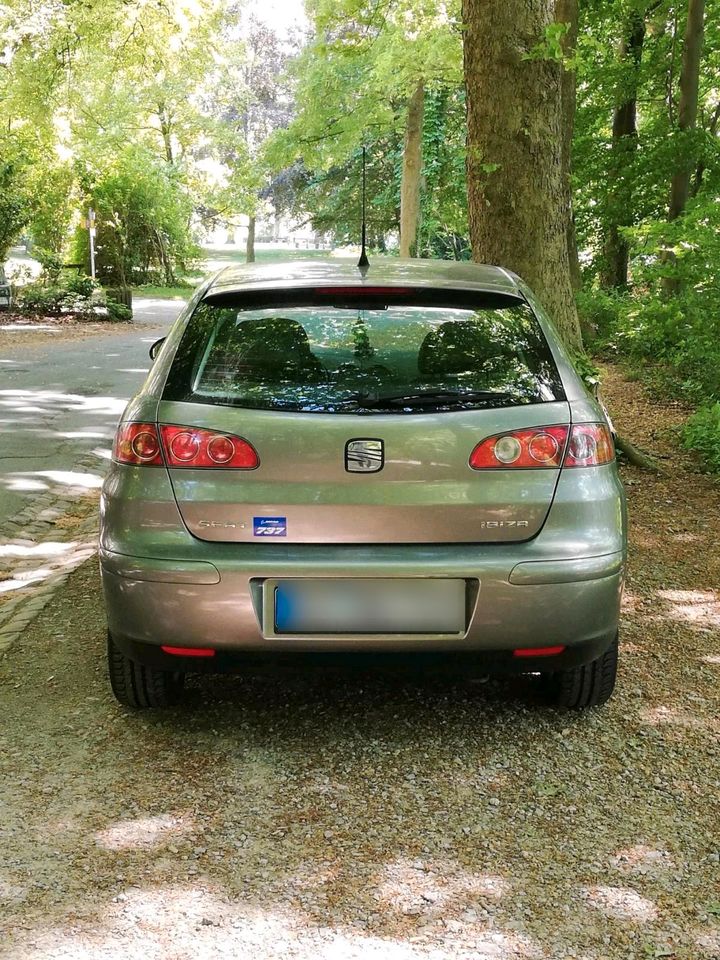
(356, 816)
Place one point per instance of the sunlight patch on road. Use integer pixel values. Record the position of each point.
(49, 549)
(675, 716)
(408, 887)
(163, 921)
(709, 942)
(621, 903)
(26, 578)
(700, 607)
(83, 481)
(642, 858)
(23, 482)
(22, 399)
(144, 833)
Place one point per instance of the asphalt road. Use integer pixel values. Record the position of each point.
(60, 400)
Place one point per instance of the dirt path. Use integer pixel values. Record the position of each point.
(290, 817)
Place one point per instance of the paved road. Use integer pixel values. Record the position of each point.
(60, 401)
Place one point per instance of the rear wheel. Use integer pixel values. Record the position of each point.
(589, 685)
(138, 686)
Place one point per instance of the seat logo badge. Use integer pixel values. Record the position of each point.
(364, 456)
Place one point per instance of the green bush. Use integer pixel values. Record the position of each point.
(119, 312)
(144, 212)
(599, 312)
(702, 433)
(81, 285)
(72, 295)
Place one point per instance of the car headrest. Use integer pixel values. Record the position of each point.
(457, 346)
(272, 346)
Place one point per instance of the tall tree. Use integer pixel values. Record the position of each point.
(688, 106)
(516, 194)
(686, 122)
(566, 14)
(411, 172)
(620, 205)
(364, 79)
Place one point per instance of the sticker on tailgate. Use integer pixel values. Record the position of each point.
(270, 526)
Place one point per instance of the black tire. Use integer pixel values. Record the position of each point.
(589, 685)
(138, 686)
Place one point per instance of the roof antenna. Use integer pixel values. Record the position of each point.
(363, 263)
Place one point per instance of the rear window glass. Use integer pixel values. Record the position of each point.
(365, 354)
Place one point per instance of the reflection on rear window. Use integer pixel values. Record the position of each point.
(364, 357)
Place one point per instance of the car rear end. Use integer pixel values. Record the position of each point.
(351, 464)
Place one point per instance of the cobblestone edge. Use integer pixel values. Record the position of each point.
(33, 525)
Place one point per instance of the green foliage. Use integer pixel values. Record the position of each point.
(51, 264)
(587, 369)
(70, 294)
(599, 312)
(55, 200)
(103, 91)
(15, 201)
(119, 312)
(674, 336)
(55, 300)
(702, 433)
(551, 46)
(142, 214)
(352, 83)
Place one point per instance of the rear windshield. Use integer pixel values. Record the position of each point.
(350, 353)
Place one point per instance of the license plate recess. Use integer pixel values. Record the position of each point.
(366, 607)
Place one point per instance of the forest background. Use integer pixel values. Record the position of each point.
(577, 143)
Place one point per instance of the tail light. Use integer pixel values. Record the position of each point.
(137, 443)
(194, 447)
(140, 444)
(588, 445)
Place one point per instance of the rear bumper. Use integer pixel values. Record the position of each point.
(220, 604)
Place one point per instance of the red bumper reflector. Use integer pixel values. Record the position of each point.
(538, 651)
(189, 651)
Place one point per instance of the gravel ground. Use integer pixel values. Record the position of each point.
(399, 818)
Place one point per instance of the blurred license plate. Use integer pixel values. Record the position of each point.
(369, 606)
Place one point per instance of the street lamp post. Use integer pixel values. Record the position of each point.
(91, 229)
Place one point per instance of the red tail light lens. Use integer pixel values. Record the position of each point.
(589, 445)
(194, 447)
(539, 447)
(138, 444)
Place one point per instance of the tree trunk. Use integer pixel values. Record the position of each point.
(566, 11)
(411, 170)
(250, 244)
(517, 195)
(614, 272)
(687, 119)
(166, 133)
(700, 171)
(688, 107)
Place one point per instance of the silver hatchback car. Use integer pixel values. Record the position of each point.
(400, 458)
